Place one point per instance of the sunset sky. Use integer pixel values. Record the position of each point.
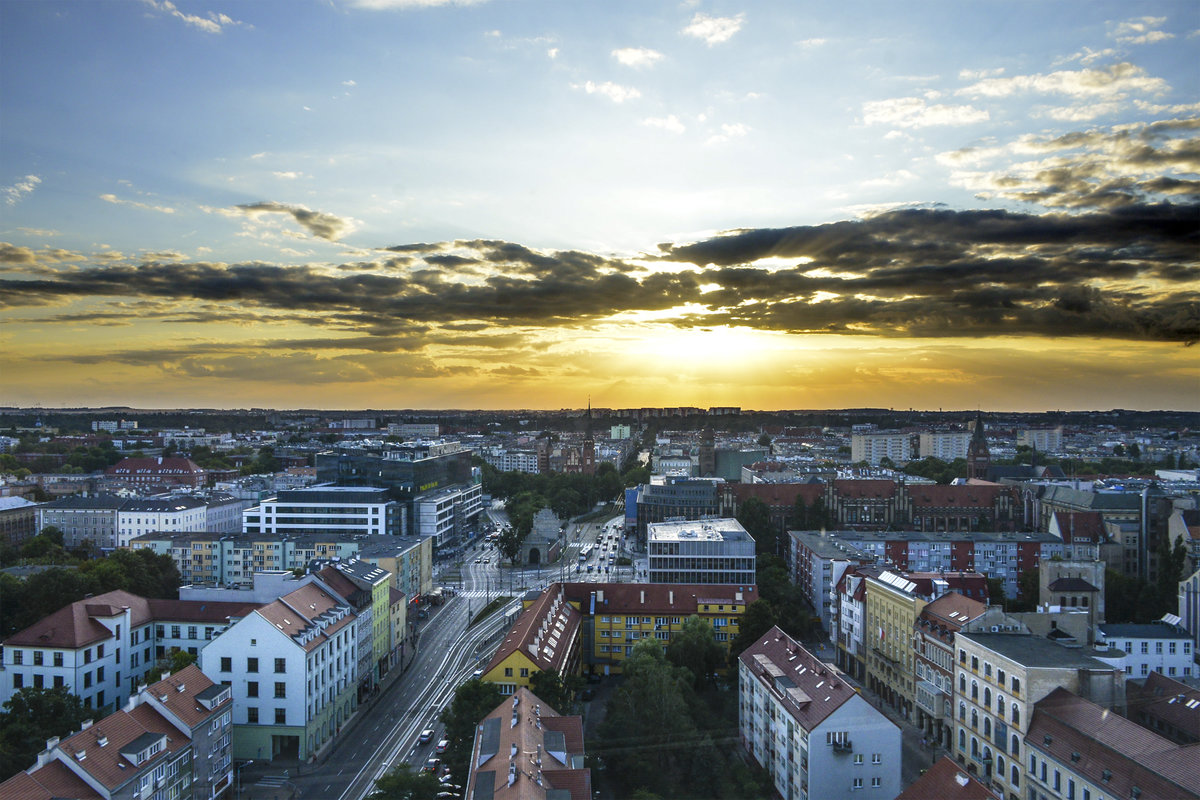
(524, 204)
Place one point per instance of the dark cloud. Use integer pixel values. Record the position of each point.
(319, 224)
(1126, 272)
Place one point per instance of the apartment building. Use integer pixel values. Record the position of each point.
(525, 750)
(18, 520)
(445, 515)
(700, 551)
(171, 514)
(896, 446)
(170, 741)
(509, 460)
(998, 679)
(818, 563)
(545, 637)
(229, 560)
(325, 510)
(1160, 647)
(944, 445)
(617, 615)
(157, 471)
(101, 648)
(933, 646)
(365, 586)
(1080, 750)
(83, 519)
(292, 666)
(807, 726)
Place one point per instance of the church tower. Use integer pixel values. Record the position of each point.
(707, 462)
(588, 456)
(978, 455)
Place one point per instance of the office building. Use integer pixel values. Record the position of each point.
(700, 551)
(325, 510)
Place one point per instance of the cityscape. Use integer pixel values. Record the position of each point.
(527, 400)
(668, 602)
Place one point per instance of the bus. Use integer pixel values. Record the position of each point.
(585, 553)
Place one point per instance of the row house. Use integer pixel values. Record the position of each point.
(1080, 749)
(365, 586)
(808, 727)
(933, 647)
(292, 667)
(171, 740)
(998, 679)
(101, 648)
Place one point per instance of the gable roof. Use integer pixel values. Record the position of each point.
(545, 633)
(945, 781)
(305, 611)
(809, 688)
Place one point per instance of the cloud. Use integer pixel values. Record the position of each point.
(714, 30)
(977, 74)
(613, 91)
(1115, 82)
(349, 83)
(289, 175)
(668, 123)
(810, 43)
(729, 131)
(552, 52)
(112, 198)
(319, 224)
(22, 187)
(1141, 30)
(387, 5)
(1103, 168)
(914, 112)
(637, 57)
(215, 22)
(1122, 272)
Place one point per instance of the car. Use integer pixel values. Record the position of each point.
(426, 736)
(479, 561)
(442, 745)
(432, 765)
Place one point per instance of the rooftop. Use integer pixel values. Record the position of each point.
(710, 530)
(1034, 651)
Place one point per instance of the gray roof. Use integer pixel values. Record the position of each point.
(1035, 651)
(101, 501)
(1152, 630)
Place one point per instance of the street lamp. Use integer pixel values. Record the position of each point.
(239, 769)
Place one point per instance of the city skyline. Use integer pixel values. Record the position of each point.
(505, 204)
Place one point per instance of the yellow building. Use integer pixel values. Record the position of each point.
(545, 637)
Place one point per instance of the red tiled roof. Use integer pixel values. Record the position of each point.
(51, 782)
(817, 689)
(945, 780)
(860, 488)
(943, 496)
(1081, 526)
(552, 624)
(294, 612)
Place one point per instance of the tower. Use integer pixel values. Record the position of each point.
(588, 457)
(707, 462)
(978, 456)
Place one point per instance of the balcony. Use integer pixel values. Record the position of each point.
(843, 746)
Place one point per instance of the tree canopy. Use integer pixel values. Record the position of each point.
(30, 717)
(405, 782)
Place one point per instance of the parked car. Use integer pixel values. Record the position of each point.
(442, 745)
(432, 765)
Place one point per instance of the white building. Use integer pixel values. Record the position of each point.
(701, 551)
(101, 648)
(1157, 647)
(292, 665)
(1044, 440)
(170, 515)
(817, 737)
(946, 445)
(446, 514)
(513, 460)
(414, 430)
(874, 447)
(325, 509)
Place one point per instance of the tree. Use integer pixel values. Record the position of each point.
(30, 717)
(175, 661)
(509, 543)
(1027, 592)
(404, 782)
(758, 618)
(473, 700)
(996, 594)
(694, 647)
(764, 440)
(755, 517)
(554, 689)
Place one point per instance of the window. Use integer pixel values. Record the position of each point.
(18, 680)
(876, 758)
(280, 689)
(226, 664)
(1016, 745)
(87, 680)
(1016, 777)
(281, 716)
(100, 651)
(508, 672)
(858, 759)
(1016, 685)
(58, 682)
(524, 672)
(962, 656)
(975, 663)
(1145, 648)
(192, 632)
(1016, 715)
(987, 697)
(1000, 677)
(962, 682)
(37, 658)
(252, 715)
(1158, 648)
(251, 665)
(974, 690)
(281, 665)
(987, 669)
(58, 659)
(175, 634)
(858, 783)
(99, 673)
(252, 689)
(38, 681)
(876, 782)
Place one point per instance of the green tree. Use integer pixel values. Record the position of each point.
(755, 517)
(758, 618)
(554, 689)
(175, 661)
(1027, 592)
(473, 700)
(764, 440)
(996, 594)
(404, 782)
(509, 543)
(30, 717)
(694, 647)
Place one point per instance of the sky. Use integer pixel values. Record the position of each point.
(524, 204)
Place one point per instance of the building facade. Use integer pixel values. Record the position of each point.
(701, 551)
(325, 510)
